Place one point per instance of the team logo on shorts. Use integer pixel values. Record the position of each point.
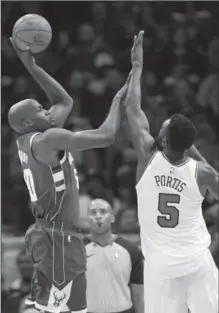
(59, 296)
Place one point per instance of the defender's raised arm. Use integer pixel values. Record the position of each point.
(138, 122)
(60, 139)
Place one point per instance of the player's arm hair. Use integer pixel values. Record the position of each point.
(138, 123)
(56, 139)
(210, 179)
(61, 101)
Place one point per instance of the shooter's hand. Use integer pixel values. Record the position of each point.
(25, 56)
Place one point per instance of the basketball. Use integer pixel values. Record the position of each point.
(34, 31)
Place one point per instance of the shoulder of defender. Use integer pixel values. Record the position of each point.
(204, 169)
(205, 172)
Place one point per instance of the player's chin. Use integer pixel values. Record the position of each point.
(99, 228)
(44, 128)
(52, 123)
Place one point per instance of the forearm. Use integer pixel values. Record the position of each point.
(138, 303)
(136, 117)
(54, 91)
(133, 97)
(112, 122)
(214, 245)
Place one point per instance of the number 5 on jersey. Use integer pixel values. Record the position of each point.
(28, 177)
(166, 207)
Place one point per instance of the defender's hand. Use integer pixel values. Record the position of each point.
(25, 56)
(137, 50)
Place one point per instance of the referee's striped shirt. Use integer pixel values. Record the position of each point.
(110, 271)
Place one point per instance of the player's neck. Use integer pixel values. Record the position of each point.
(103, 239)
(173, 156)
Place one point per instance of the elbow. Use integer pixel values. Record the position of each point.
(110, 138)
(67, 102)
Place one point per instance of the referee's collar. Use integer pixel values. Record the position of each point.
(106, 244)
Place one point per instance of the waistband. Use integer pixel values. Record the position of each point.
(57, 224)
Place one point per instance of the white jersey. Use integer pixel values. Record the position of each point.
(173, 230)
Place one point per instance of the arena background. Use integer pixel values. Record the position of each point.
(90, 56)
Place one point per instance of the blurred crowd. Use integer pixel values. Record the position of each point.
(90, 56)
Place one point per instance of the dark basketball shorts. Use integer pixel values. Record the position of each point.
(59, 260)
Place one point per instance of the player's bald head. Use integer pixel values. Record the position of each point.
(19, 112)
(100, 203)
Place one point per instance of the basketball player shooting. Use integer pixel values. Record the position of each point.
(46, 155)
(180, 273)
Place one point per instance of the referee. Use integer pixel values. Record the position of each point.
(114, 266)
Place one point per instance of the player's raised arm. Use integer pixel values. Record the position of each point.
(58, 97)
(56, 139)
(138, 122)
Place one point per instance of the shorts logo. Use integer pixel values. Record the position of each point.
(59, 296)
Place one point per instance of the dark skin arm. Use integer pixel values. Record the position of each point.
(61, 101)
(46, 146)
(139, 128)
(137, 292)
(208, 179)
(195, 154)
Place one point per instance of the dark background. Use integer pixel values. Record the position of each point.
(90, 56)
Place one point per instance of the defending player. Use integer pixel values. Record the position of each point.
(45, 152)
(179, 270)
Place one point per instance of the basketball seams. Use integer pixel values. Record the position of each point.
(28, 28)
(25, 19)
(33, 30)
(33, 43)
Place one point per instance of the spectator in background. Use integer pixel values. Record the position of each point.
(97, 187)
(21, 287)
(126, 186)
(4, 293)
(114, 266)
(207, 96)
(127, 221)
